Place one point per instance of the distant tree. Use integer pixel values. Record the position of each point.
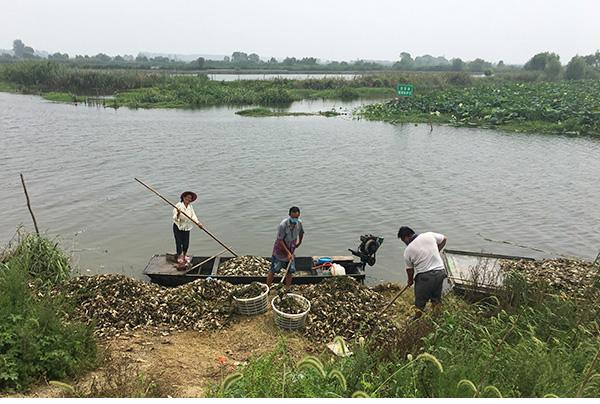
(593, 60)
(488, 72)
(576, 68)
(200, 63)
(160, 59)
(290, 61)
(553, 68)
(308, 61)
(254, 58)
(547, 62)
(478, 65)
(119, 58)
(537, 62)
(458, 64)
(28, 52)
(141, 58)
(58, 56)
(501, 65)
(103, 57)
(272, 61)
(239, 57)
(226, 59)
(406, 61)
(18, 48)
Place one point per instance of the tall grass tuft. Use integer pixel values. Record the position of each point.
(35, 339)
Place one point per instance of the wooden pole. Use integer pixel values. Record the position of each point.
(287, 268)
(205, 261)
(393, 300)
(184, 214)
(29, 205)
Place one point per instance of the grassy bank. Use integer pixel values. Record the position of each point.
(527, 345)
(137, 89)
(567, 107)
(36, 340)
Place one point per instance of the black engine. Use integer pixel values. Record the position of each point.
(369, 244)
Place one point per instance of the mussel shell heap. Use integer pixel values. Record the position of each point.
(572, 276)
(246, 265)
(254, 289)
(116, 303)
(341, 306)
(290, 305)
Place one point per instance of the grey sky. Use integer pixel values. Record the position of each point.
(511, 30)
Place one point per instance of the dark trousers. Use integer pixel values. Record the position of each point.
(182, 239)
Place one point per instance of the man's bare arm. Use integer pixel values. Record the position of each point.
(442, 244)
(410, 272)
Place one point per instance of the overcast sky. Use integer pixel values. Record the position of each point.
(509, 30)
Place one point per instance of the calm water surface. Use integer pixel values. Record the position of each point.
(350, 177)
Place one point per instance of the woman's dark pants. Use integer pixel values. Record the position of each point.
(182, 239)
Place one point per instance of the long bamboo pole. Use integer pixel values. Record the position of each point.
(29, 205)
(184, 214)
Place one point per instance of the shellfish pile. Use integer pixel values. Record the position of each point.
(290, 305)
(572, 276)
(341, 306)
(246, 265)
(116, 303)
(254, 289)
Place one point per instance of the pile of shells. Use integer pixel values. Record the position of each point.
(572, 276)
(290, 305)
(341, 306)
(246, 265)
(116, 303)
(255, 289)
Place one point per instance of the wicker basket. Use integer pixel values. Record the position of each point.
(253, 305)
(290, 321)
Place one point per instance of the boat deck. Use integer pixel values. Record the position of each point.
(162, 270)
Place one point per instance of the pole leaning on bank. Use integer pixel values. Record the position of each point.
(184, 214)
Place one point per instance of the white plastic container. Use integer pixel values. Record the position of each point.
(290, 321)
(253, 305)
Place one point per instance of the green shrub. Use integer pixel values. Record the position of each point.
(36, 340)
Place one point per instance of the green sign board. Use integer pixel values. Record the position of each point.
(404, 90)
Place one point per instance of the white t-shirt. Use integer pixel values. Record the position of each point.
(183, 223)
(422, 253)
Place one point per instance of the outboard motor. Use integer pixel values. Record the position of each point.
(369, 244)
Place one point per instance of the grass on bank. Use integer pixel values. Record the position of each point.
(63, 97)
(522, 344)
(36, 340)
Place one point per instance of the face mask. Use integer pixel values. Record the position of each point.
(294, 220)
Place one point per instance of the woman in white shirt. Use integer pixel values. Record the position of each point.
(182, 225)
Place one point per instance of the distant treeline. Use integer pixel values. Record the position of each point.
(252, 61)
(579, 67)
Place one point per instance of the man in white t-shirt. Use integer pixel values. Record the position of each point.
(424, 265)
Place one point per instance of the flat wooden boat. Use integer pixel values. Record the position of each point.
(476, 271)
(161, 270)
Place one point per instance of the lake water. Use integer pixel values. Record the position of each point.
(350, 177)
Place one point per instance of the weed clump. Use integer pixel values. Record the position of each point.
(35, 339)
